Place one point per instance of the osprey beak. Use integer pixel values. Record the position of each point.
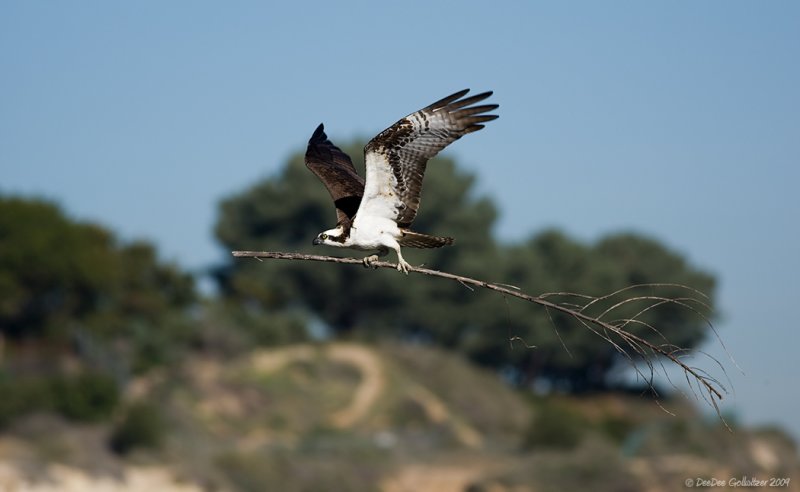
(316, 241)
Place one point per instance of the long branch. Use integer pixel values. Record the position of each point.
(634, 341)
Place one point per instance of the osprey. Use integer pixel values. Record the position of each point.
(376, 214)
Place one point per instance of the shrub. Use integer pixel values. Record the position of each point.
(21, 396)
(141, 426)
(87, 397)
(617, 428)
(555, 426)
(348, 470)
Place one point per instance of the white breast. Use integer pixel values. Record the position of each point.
(372, 232)
(380, 198)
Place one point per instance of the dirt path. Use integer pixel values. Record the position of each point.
(369, 390)
(363, 359)
(437, 412)
(268, 361)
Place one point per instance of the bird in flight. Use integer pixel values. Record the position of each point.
(375, 214)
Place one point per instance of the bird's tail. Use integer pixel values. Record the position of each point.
(416, 240)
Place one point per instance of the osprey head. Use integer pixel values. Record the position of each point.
(331, 237)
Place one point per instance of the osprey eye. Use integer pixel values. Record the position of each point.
(324, 237)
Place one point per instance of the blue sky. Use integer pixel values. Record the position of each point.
(675, 119)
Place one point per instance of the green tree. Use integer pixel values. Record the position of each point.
(74, 287)
(79, 310)
(55, 271)
(50, 268)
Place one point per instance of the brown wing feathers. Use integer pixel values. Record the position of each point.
(406, 147)
(408, 144)
(336, 171)
(452, 107)
(417, 240)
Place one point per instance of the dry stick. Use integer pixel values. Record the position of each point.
(630, 338)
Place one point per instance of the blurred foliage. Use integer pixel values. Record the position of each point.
(88, 397)
(21, 396)
(617, 428)
(141, 426)
(286, 211)
(229, 327)
(555, 426)
(80, 312)
(85, 397)
(54, 270)
(595, 465)
(345, 471)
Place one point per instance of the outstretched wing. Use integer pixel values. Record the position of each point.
(397, 157)
(335, 169)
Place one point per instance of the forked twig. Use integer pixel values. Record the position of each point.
(711, 389)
